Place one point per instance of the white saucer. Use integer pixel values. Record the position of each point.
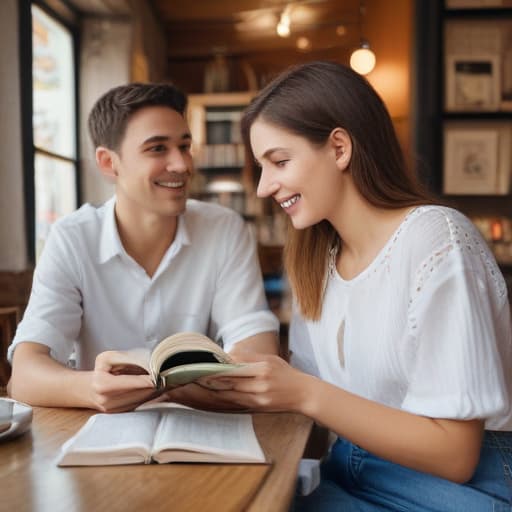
(20, 420)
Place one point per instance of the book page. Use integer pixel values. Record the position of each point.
(229, 435)
(121, 438)
(186, 342)
(134, 361)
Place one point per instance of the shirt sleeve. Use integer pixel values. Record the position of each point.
(239, 309)
(54, 311)
(458, 320)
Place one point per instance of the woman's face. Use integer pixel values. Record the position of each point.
(304, 179)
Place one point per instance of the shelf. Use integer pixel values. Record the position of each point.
(477, 205)
(220, 170)
(479, 13)
(500, 115)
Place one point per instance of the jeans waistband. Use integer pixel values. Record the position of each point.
(498, 439)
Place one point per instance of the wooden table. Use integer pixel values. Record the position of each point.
(30, 481)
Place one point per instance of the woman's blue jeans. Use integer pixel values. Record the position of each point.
(355, 480)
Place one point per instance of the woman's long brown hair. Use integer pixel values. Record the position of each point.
(311, 100)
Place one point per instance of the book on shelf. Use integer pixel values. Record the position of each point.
(177, 360)
(162, 435)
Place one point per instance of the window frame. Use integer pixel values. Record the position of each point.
(69, 19)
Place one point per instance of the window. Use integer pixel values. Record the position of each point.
(53, 123)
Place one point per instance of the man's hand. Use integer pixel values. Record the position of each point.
(199, 397)
(117, 387)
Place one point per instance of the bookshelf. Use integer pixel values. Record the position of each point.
(464, 137)
(226, 176)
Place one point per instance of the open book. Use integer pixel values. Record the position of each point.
(172, 434)
(178, 360)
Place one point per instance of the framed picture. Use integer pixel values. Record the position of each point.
(471, 161)
(473, 82)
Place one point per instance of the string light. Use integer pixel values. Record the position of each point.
(362, 59)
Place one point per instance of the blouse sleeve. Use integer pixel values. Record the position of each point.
(458, 324)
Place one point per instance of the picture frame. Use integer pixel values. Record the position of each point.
(472, 163)
(473, 82)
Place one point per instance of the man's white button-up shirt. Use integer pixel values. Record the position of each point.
(89, 295)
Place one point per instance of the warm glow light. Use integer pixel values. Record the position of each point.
(362, 60)
(283, 29)
(303, 43)
(341, 30)
(224, 185)
(496, 231)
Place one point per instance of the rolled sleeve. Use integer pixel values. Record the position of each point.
(239, 307)
(54, 312)
(246, 326)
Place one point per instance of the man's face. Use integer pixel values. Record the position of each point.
(153, 164)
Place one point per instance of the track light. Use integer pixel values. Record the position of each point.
(283, 27)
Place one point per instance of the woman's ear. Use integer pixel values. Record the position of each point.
(342, 145)
(105, 160)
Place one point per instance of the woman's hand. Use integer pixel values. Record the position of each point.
(268, 383)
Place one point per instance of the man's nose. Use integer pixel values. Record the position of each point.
(177, 162)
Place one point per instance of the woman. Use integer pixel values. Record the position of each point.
(403, 304)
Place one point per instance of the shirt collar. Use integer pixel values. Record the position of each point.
(110, 243)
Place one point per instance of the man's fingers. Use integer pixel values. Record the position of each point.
(124, 402)
(120, 384)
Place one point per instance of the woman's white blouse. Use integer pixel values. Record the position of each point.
(424, 328)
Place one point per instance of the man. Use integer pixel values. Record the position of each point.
(145, 265)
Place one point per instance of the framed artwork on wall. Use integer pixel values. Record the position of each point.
(472, 82)
(471, 162)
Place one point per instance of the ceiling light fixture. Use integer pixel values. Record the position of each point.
(283, 27)
(362, 59)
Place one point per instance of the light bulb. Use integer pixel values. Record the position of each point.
(362, 60)
(283, 29)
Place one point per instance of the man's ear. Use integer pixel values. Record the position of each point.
(342, 145)
(105, 159)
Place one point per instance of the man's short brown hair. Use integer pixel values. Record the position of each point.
(110, 114)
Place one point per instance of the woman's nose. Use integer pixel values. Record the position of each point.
(266, 186)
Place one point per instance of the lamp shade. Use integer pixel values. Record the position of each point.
(362, 60)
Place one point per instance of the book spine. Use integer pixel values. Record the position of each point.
(160, 382)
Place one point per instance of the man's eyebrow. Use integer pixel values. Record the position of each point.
(164, 138)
